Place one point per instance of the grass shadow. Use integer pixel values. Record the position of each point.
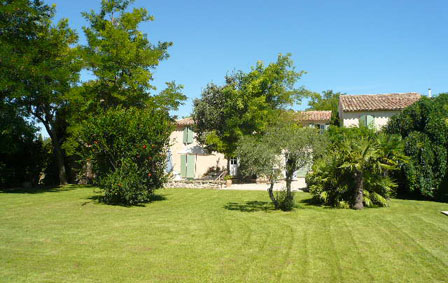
(250, 206)
(310, 202)
(99, 199)
(41, 189)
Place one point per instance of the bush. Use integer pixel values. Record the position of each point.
(424, 129)
(357, 163)
(127, 148)
(285, 202)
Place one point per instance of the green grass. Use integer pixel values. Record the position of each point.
(210, 235)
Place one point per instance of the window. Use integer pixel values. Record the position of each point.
(188, 135)
(367, 121)
(322, 128)
(233, 161)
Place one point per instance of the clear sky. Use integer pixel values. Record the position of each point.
(351, 46)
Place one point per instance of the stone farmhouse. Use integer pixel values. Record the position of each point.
(373, 110)
(189, 160)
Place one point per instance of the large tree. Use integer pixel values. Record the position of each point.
(39, 66)
(424, 128)
(245, 104)
(122, 59)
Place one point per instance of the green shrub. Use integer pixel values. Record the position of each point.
(127, 148)
(424, 129)
(357, 162)
(285, 202)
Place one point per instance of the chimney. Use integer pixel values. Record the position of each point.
(429, 93)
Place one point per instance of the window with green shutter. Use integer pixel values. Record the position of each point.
(183, 166)
(187, 166)
(370, 121)
(367, 121)
(191, 166)
(188, 135)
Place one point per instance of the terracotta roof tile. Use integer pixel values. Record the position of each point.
(373, 102)
(185, 122)
(314, 116)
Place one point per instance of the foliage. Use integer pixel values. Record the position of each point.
(21, 153)
(121, 58)
(39, 66)
(284, 200)
(228, 177)
(285, 148)
(245, 104)
(424, 128)
(128, 150)
(328, 100)
(355, 170)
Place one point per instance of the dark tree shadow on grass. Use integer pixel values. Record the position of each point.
(250, 206)
(99, 199)
(42, 189)
(310, 202)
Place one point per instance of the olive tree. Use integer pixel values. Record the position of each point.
(283, 149)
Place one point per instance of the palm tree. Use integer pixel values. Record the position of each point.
(370, 155)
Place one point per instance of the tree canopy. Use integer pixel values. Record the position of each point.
(122, 59)
(424, 128)
(39, 66)
(245, 104)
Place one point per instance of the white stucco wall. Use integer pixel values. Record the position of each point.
(351, 119)
(202, 162)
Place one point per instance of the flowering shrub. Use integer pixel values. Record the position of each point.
(127, 148)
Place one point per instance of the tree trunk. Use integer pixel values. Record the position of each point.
(288, 178)
(57, 153)
(271, 194)
(359, 197)
(60, 162)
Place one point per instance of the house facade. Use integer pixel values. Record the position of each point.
(373, 110)
(187, 158)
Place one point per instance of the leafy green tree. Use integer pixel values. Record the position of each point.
(122, 59)
(39, 66)
(328, 100)
(127, 148)
(284, 148)
(245, 104)
(424, 129)
(354, 172)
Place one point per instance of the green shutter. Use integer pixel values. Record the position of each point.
(183, 165)
(370, 121)
(190, 136)
(363, 121)
(185, 138)
(190, 166)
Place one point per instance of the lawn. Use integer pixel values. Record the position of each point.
(211, 235)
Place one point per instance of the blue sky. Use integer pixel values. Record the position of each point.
(355, 47)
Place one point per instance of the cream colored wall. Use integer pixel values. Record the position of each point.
(203, 162)
(351, 119)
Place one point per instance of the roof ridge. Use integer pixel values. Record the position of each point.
(380, 94)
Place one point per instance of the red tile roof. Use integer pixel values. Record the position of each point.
(373, 102)
(314, 116)
(185, 122)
